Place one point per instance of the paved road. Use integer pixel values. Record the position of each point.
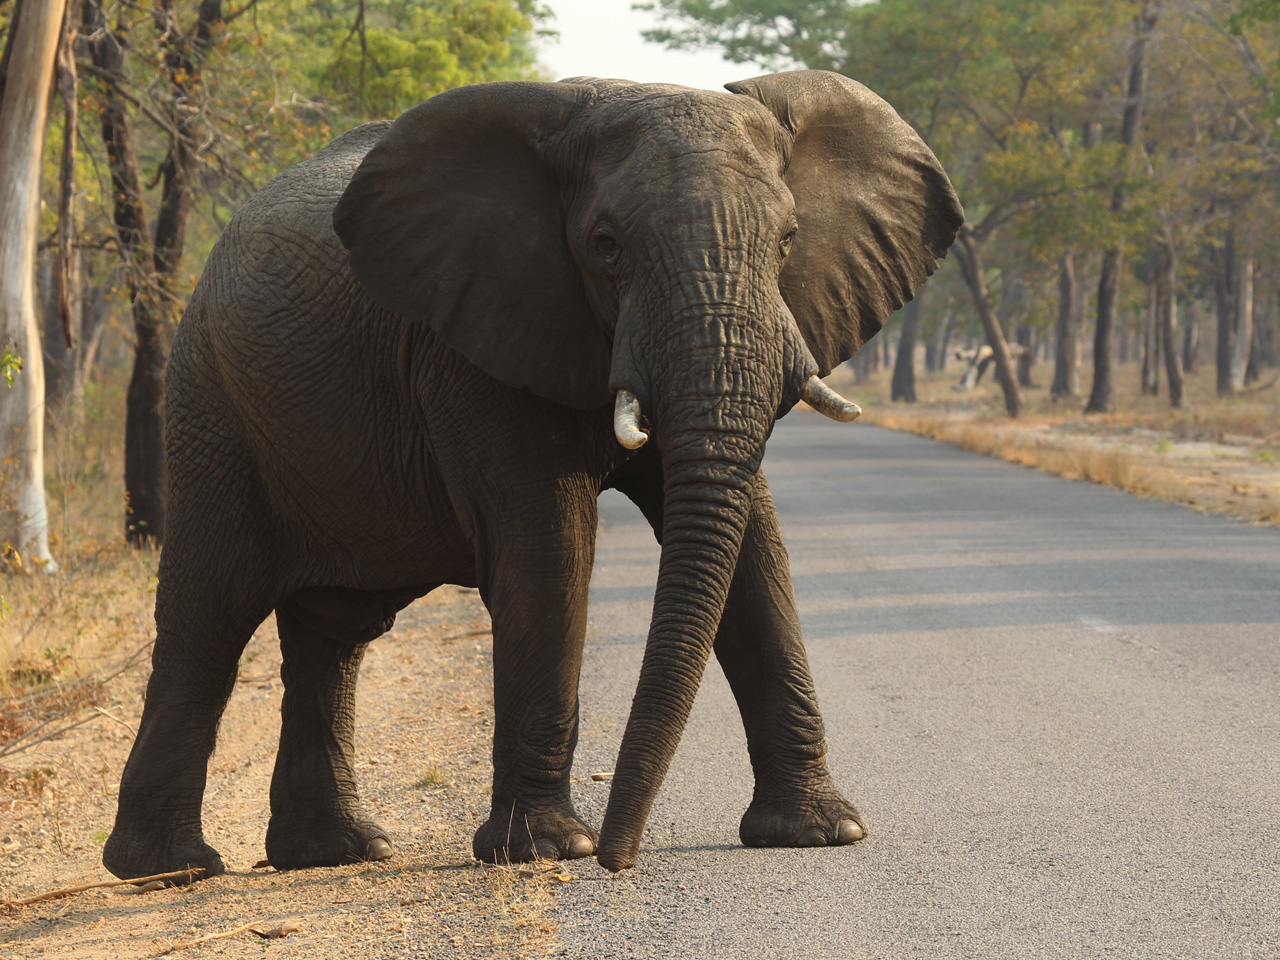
(1057, 706)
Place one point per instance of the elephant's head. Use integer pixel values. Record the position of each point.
(701, 255)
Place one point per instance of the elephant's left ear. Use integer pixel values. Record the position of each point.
(875, 208)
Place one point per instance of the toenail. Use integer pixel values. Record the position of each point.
(813, 837)
(847, 831)
(546, 850)
(580, 845)
(378, 849)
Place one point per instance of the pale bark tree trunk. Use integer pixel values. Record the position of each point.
(970, 258)
(1242, 335)
(23, 111)
(1150, 332)
(1109, 281)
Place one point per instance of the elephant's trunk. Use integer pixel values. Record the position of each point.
(710, 425)
(703, 525)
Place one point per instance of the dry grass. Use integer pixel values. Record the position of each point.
(99, 607)
(1214, 454)
(65, 636)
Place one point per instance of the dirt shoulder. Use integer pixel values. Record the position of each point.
(1216, 455)
(423, 738)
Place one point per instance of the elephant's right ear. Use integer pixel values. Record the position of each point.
(454, 219)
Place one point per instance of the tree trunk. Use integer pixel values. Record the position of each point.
(154, 261)
(1026, 338)
(944, 340)
(1108, 291)
(903, 387)
(60, 360)
(970, 258)
(1242, 335)
(144, 467)
(1150, 331)
(1266, 327)
(1191, 339)
(1167, 294)
(1223, 261)
(24, 520)
(1067, 350)
(1109, 281)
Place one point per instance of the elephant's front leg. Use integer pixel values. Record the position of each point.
(759, 647)
(535, 586)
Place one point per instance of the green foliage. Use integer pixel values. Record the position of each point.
(10, 363)
(778, 34)
(411, 49)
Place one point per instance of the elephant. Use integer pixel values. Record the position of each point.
(417, 359)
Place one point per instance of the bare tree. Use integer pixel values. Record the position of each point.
(152, 258)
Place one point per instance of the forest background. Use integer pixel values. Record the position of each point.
(1121, 259)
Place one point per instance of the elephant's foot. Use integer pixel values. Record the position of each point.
(130, 854)
(815, 818)
(297, 843)
(515, 836)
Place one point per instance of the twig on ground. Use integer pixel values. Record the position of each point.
(17, 746)
(273, 933)
(111, 716)
(467, 633)
(189, 873)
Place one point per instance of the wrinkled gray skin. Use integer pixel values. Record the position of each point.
(398, 371)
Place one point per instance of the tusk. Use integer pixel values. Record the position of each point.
(626, 421)
(826, 401)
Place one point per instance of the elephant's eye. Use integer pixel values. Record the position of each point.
(784, 247)
(607, 248)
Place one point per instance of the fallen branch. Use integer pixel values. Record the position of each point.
(189, 873)
(273, 933)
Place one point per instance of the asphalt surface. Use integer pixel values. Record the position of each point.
(1057, 706)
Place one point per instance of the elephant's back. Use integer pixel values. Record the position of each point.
(279, 255)
(277, 289)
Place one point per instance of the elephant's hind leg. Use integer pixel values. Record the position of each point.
(216, 584)
(316, 817)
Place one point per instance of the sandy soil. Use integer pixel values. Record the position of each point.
(423, 740)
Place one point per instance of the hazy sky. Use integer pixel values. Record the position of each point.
(601, 38)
